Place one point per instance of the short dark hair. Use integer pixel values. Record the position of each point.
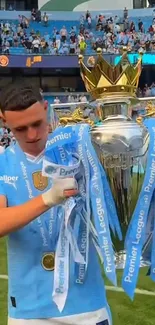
(19, 95)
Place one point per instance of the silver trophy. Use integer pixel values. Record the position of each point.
(120, 143)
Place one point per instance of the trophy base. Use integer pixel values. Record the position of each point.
(120, 259)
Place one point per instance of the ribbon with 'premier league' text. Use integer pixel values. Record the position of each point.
(60, 164)
(64, 151)
(135, 238)
(100, 214)
(152, 270)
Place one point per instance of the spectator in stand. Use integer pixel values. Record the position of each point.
(83, 98)
(125, 13)
(89, 22)
(72, 47)
(70, 98)
(88, 15)
(88, 18)
(132, 27)
(53, 49)
(38, 16)
(58, 40)
(63, 33)
(6, 47)
(153, 90)
(5, 140)
(36, 45)
(1, 147)
(57, 100)
(140, 26)
(43, 45)
(82, 46)
(76, 99)
(45, 19)
(27, 43)
(73, 37)
(33, 14)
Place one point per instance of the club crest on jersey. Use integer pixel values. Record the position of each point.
(40, 182)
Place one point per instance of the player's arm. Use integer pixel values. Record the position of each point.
(14, 218)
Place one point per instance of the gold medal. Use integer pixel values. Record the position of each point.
(48, 261)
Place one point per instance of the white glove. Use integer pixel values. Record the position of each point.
(62, 188)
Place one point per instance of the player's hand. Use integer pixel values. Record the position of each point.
(62, 189)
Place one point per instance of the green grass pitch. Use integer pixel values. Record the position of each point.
(125, 312)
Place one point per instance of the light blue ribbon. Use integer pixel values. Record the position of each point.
(76, 139)
(135, 238)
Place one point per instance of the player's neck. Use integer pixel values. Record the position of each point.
(34, 153)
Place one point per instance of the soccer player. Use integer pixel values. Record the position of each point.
(26, 201)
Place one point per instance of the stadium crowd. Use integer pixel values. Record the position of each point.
(147, 91)
(71, 98)
(6, 138)
(37, 34)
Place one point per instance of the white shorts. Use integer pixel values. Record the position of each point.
(97, 317)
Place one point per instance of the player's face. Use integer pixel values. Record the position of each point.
(29, 127)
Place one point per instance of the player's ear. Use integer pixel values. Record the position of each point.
(45, 104)
(2, 117)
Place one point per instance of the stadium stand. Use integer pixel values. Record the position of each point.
(47, 36)
(65, 98)
(40, 34)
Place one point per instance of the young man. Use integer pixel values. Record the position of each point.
(26, 199)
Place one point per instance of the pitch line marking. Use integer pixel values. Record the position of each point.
(108, 288)
(3, 276)
(138, 291)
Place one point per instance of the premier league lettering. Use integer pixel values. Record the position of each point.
(62, 154)
(51, 222)
(61, 274)
(132, 258)
(100, 213)
(61, 136)
(64, 172)
(24, 171)
(152, 176)
(81, 274)
(83, 240)
(50, 169)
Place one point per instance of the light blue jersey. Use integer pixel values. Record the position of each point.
(30, 285)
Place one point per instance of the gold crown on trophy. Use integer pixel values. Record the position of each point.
(104, 79)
